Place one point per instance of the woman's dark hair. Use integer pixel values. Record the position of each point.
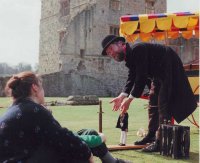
(19, 85)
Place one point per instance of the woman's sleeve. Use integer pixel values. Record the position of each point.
(61, 139)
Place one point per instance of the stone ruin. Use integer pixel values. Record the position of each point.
(76, 100)
(82, 100)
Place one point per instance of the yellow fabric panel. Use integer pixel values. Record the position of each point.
(145, 37)
(128, 27)
(159, 35)
(147, 26)
(187, 34)
(132, 38)
(194, 83)
(181, 21)
(164, 23)
(120, 32)
(193, 20)
(173, 35)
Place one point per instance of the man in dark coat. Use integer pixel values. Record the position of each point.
(156, 62)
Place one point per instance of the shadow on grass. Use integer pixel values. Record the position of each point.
(194, 157)
(196, 133)
(127, 155)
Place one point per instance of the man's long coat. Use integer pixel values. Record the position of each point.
(154, 61)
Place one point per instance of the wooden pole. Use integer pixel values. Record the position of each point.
(100, 116)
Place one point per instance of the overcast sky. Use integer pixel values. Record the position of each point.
(19, 28)
(19, 31)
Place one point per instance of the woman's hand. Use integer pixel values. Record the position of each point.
(125, 105)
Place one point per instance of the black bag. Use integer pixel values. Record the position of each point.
(175, 141)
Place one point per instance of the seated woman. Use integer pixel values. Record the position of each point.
(29, 133)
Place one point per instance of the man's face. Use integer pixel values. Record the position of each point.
(116, 51)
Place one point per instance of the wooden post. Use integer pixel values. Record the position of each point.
(100, 116)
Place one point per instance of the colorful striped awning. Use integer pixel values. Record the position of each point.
(159, 26)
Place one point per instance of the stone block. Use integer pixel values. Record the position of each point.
(82, 100)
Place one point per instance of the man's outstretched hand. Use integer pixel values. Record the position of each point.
(117, 102)
(125, 105)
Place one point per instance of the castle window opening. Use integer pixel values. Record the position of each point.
(114, 30)
(61, 36)
(64, 7)
(82, 52)
(115, 5)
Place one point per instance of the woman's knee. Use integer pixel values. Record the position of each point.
(89, 132)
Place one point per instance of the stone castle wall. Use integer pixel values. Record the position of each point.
(88, 76)
(73, 65)
(85, 26)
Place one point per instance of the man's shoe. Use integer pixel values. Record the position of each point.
(120, 144)
(145, 140)
(122, 161)
(153, 147)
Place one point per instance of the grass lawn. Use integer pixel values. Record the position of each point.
(78, 117)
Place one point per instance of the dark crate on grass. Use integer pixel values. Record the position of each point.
(175, 141)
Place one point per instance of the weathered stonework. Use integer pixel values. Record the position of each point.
(72, 64)
(3, 81)
(188, 50)
(82, 100)
(85, 26)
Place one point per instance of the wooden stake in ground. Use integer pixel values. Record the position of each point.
(100, 116)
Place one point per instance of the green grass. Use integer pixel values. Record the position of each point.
(78, 117)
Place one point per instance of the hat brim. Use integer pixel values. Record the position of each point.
(110, 42)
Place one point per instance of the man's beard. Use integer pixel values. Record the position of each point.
(120, 56)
